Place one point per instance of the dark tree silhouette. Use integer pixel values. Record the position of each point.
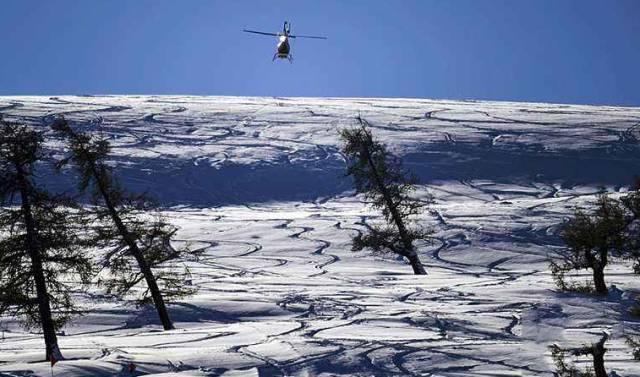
(591, 239)
(41, 254)
(610, 232)
(139, 247)
(634, 343)
(567, 369)
(387, 186)
(631, 204)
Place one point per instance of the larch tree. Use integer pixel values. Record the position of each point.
(611, 231)
(42, 256)
(139, 247)
(387, 186)
(631, 203)
(565, 368)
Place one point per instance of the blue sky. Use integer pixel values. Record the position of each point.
(563, 51)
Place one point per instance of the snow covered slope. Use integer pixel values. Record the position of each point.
(258, 184)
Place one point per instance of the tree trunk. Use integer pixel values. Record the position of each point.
(598, 365)
(598, 280)
(598, 358)
(418, 268)
(137, 254)
(44, 306)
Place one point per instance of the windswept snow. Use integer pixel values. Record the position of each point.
(258, 185)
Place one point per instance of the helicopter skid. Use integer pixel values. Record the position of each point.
(283, 56)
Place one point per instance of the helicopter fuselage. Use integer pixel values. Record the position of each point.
(283, 47)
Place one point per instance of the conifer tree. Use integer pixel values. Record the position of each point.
(593, 239)
(139, 247)
(631, 203)
(41, 255)
(565, 368)
(380, 177)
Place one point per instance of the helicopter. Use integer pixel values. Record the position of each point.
(283, 50)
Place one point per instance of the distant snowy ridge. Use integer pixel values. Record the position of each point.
(210, 150)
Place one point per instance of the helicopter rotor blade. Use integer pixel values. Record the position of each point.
(259, 32)
(307, 36)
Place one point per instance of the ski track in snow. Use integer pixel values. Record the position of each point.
(257, 186)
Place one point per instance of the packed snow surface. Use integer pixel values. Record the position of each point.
(258, 185)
